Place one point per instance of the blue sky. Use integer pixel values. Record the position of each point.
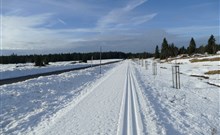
(48, 26)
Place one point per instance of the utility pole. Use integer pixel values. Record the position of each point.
(100, 59)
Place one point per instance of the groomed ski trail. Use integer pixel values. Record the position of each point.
(130, 121)
(137, 117)
(116, 105)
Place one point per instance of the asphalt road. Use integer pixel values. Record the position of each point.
(23, 78)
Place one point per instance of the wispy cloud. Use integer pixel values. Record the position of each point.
(61, 21)
(133, 4)
(142, 19)
(122, 16)
(27, 32)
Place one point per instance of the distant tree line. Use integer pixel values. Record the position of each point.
(42, 60)
(170, 50)
(167, 50)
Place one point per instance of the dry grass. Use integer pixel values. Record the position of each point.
(205, 59)
(212, 72)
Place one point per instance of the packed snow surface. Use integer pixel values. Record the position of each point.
(126, 99)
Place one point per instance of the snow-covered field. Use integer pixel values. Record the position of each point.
(17, 70)
(126, 99)
(200, 68)
(193, 109)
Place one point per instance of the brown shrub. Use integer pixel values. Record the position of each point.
(205, 59)
(212, 72)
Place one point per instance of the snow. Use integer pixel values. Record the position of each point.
(126, 99)
(193, 109)
(103, 107)
(26, 104)
(18, 70)
(199, 68)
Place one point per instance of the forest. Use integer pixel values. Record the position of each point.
(42, 60)
(167, 50)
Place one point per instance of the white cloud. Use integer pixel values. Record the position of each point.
(26, 32)
(122, 16)
(141, 19)
(133, 4)
(22, 30)
(31, 32)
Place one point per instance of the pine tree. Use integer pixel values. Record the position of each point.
(211, 48)
(164, 49)
(157, 53)
(192, 47)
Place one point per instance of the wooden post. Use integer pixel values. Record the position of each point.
(176, 76)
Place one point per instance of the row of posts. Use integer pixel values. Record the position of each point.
(175, 71)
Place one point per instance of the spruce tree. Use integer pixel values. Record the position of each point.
(182, 50)
(157, 53)
(211, 48)
(164, 49)
(173, 51)
(192, 47)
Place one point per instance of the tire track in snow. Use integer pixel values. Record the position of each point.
(129, 119)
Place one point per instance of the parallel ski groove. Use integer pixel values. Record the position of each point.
(134, 105)
(122, 112)
(129, 119)
(126, 114)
